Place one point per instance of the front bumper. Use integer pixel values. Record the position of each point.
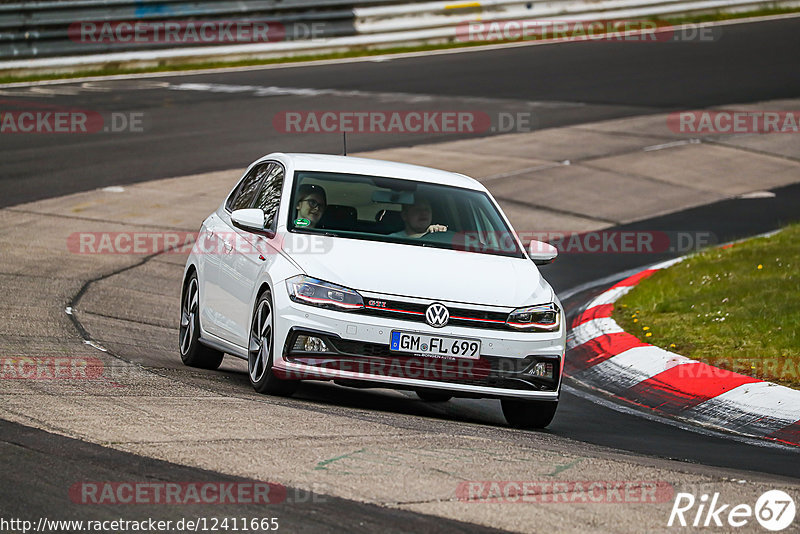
(359, 354)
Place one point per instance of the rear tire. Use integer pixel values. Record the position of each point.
(528, 414)
(261, 352)
(194, 353)
(433, 396)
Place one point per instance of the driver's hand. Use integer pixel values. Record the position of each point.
(437, 228)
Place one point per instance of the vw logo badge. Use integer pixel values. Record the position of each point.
(437, 315)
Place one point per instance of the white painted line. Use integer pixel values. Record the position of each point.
(609, 296)
(668, 263)
(591, 330)
(748, 404)
(414, 98)
(535, 168)
(757, 194)
(673, 144)
(677, 423)
(633, 366)
(271, 90)
(94, 345)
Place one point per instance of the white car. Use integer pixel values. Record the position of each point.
(374, 274)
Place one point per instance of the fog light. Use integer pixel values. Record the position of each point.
(542, 370)
(310, 344)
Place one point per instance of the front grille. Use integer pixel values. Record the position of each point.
(376, 359)
(411, 311)
(357, 347)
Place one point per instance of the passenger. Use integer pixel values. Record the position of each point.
(311, 205)
(417, 218)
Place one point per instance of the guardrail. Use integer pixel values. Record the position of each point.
(43, 28)
(42, 35)
(380, 19)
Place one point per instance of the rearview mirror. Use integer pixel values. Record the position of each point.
(249, 219)
(542, 253)
(384, 196)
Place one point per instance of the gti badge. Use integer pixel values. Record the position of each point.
(437, 315)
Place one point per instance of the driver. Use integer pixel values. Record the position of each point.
(311, 204)
(417, 218)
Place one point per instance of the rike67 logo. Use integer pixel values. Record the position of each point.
(774, 510)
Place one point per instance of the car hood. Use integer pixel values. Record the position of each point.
(426, 272)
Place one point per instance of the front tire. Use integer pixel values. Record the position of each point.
(261, 351)
(194, 353)
(528, 414)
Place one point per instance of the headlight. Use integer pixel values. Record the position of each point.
(323, 294)
(544, 317)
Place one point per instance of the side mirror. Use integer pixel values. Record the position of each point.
(251, 220)
(542, 253)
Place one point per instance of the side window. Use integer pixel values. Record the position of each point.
(269, 197)
(244, 195)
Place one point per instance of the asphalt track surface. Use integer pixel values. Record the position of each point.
(38, 465)
(195, 131)
(46, 463)
(199, 131)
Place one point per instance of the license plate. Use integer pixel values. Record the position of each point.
(435, 346)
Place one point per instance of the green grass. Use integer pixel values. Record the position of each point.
(355, 53)
(736, 308)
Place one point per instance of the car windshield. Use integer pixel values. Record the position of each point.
(400, 211)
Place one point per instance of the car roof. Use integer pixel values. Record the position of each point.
(375, 167)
